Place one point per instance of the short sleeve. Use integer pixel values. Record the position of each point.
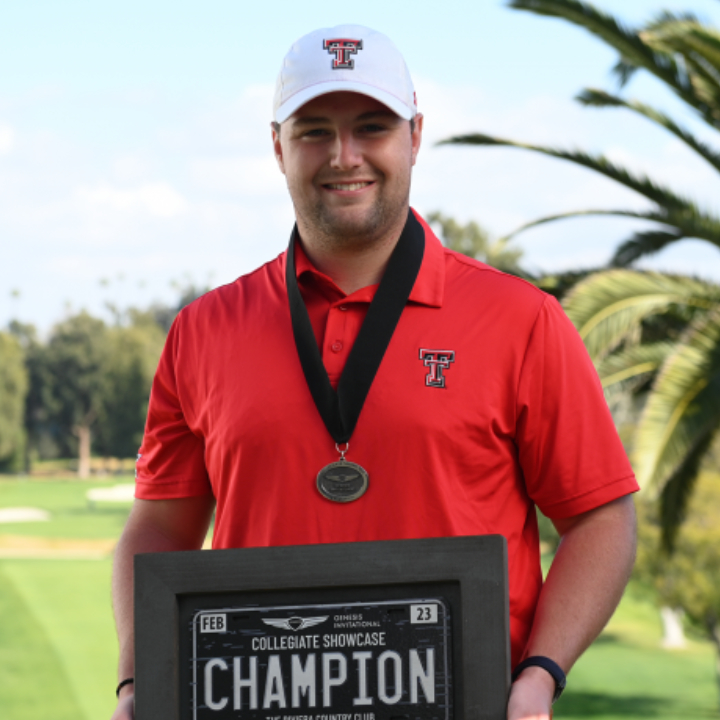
(569, 450)
(171, 459)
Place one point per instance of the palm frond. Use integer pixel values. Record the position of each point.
(668, 16)
(686, 35)
(600, 98)
(624, 72)
(685, 225)
(608, 306)
(642, 244)
(633, 363)
(575, 214)
(634, 51)
(684, 405)
(699, 47)
(676, 494)
(692, 223)
(640, 184)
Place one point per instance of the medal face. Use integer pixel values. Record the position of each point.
(342, 481)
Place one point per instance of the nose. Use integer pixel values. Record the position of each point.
(346, 152)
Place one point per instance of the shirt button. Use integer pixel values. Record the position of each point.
(337, 346)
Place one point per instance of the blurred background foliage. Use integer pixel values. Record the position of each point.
(83, 390)
(13, 389)
(651, 334)
(654, 337)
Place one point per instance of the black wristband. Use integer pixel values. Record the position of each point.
(125, 682)
(549, 666)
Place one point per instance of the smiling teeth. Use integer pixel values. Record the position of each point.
(348, 186)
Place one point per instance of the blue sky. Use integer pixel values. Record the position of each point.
(134, 141)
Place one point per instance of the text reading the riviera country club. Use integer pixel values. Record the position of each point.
(356, 661)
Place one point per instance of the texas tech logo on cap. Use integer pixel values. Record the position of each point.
(342, 48)
(436, 361)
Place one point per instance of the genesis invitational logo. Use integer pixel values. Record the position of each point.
(295, 623)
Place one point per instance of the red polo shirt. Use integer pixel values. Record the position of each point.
(485, 403)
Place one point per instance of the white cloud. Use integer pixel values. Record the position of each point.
(158, 199)
(132, 168)
(503, 188)
(7, 139)
(198, 191)
(241, 175)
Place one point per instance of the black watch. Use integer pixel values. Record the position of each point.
(549, 666)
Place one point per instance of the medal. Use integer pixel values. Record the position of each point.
(344, 481)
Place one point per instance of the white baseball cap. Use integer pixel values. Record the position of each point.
(349, 58)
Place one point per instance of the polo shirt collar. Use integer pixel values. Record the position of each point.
(429, 287)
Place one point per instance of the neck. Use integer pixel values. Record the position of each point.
(350, 265)
(351, 271)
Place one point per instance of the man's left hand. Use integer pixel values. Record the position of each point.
(531, 696)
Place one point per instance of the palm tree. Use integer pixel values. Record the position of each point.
(474, 241)
(644, 329)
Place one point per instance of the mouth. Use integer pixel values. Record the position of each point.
(348, 186)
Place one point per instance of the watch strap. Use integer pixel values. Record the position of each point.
(125, 682)
(549, 666)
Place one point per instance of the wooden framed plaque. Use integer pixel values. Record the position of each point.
(391, 630)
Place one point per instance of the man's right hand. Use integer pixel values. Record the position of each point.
(153, 526)
(125, 709)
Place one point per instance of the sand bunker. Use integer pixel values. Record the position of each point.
(24, 546)
(124, 493)
(23, 514)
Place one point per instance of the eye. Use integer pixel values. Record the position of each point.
(315, 133)
(372, 128)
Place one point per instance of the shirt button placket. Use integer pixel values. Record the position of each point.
(335, 340)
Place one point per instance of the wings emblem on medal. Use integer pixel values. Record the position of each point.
(294, 623)
(342, 477)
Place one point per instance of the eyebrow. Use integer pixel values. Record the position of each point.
(301, 121)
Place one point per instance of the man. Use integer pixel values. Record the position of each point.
(466, 399)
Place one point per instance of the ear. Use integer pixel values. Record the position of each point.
(416, 136)
(277, 147)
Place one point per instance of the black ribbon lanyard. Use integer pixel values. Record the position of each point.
(340, 410)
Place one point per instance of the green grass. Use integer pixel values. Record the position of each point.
(71, 515)
(58, 654)
(31, 669)
(625, 674)
(58, 648)
(57, 642)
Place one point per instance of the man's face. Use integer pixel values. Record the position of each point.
(347, 159)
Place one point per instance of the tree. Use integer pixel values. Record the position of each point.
(39, 403)
(133, 354)
(650, 332)
(75, 358)
(13, 389)
(89, 384)
(687, 579)
(658, 335)
(474, 241)
(685, 55)
(164, 315)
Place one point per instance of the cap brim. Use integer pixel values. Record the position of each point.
(299, 99)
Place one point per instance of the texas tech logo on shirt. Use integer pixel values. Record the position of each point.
(342, 48)
(436, 361)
